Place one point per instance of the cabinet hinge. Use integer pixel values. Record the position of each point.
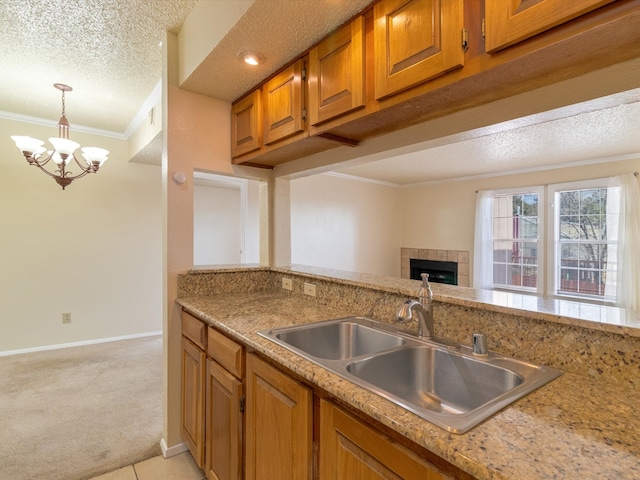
(242, 404)
(484, 33)
(304, 114)
(304, 73)
(465, 39)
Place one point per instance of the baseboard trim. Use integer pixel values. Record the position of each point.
(78, 344)
(171, 451)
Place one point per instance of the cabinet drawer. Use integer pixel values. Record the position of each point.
(194, 329)
(226, 352)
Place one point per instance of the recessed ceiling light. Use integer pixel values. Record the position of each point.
(250, 58)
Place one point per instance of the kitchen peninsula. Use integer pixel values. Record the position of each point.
(581, 425)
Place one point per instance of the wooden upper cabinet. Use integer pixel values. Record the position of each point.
(415, 41)
(283, 103)
(246, 124)
(511, 21)
(336, 73)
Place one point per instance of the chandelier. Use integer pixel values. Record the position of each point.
(62, 152)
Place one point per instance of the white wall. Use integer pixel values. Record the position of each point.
(93, 250)
(345, 224)
(217, 225)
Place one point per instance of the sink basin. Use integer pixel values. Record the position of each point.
(338, 339)
(452, 388)
(435, 379)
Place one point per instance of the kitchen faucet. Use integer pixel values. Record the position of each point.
(412, 310)
(422, 311)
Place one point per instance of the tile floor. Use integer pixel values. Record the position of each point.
(179, 467)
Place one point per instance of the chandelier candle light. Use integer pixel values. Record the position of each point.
(62, 154)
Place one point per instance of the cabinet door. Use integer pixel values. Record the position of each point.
(349, 449)
(193, 378)
(283, 99)
(278, 417)
(508, 22)
(415, 41)
(224, 424)
(246, 124)
(336, 73)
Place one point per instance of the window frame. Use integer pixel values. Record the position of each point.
(553, 259)
(540, 190)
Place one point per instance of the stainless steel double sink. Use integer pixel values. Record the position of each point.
(452, 388)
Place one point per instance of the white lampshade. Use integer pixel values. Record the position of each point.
(57, 158)
(95, 154)
(37, 152)
(64, 146)
(27, 144)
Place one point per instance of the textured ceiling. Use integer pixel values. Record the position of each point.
(548, 141)
(279, 30)
(108, 51)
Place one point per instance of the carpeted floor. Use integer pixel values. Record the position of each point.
(74, 413)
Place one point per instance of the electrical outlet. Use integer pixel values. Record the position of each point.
(287, 284)
(66, 318)
(309, 289)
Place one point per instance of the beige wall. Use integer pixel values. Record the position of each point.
(357, 226)
(345, 224)
(217, 231)
(197, 138)
(93, 250)
(446, 211)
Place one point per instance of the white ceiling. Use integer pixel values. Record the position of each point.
(109, 52)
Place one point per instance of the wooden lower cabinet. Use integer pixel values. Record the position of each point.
(279, 423)
(350, 450)
(273, 438)
(192, 419)
(223, 424)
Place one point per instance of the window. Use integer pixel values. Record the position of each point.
(508, 245)
(581, 261)
(515, 240)
(593, 233)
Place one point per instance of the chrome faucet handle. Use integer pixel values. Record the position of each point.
(412, 310)
(405, 312)
(480, 344)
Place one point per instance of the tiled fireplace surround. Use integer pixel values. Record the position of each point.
(459, 256)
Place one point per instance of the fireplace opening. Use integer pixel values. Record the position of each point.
(439, 272)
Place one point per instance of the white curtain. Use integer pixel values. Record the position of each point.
(623, 235)
(483, 244)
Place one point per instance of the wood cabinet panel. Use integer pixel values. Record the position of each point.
(223, 424)
(283, 100)
(337, 73)
(278, 417)
(509, 22)
(415, 41)
(194, 329)
(350, 449)
(193, 381)
(226, 352)
(246, 124)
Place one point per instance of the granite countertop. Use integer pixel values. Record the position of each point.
(572, 428)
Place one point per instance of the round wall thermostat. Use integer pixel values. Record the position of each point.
(179, 178)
